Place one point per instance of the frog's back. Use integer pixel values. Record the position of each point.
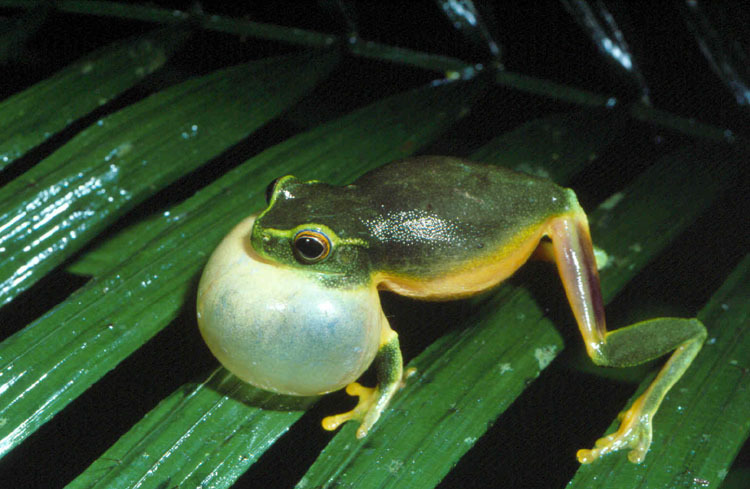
(441, 224)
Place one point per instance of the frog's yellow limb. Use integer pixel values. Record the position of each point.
(623, 347)
(373, 400)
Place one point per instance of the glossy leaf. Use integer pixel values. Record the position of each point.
(555, 147)
(720, 42)
(57, 357)
(203, 435)
(30, 117)
(601, 26)
(55, 208)
(466, 19)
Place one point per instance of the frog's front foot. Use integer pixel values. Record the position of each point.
(372, 402)
(367, 397)
(634, 433)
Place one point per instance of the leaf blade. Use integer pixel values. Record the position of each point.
(243, 417)
(30, 117)
(64, 201)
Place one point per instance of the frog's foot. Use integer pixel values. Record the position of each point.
(634, 433)
(367, 397)
(372, 402)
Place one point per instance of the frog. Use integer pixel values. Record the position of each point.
(430, 228)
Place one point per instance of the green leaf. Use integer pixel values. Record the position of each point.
(470, 376)
(705, 419)
(30, 117)
(57, 357)
(206, 434)
(55, 208)
(468, 21)
(556, 146)
(736, 479)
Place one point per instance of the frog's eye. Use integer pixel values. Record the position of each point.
(269, 190)
(311, 246)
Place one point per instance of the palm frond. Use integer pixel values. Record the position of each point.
(135, 194)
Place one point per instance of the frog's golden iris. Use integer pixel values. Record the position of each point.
(311, 246)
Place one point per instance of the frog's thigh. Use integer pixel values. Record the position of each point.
(574, 256)
(373, 400)
(624, 347)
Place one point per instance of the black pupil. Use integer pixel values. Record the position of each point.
(309, 247)
(269, 190)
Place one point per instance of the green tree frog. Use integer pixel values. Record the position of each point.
(289, 300)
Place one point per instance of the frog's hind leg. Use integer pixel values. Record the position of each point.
(373, 400)
(624, 347)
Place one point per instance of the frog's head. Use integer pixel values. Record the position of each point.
(313, 226)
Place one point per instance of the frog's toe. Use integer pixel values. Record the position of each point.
(638, 454)
(367, 396)
(585, 456)
(372, 402)
(634, 433)
(330, 423)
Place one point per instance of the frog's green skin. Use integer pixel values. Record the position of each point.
(417, 221)
(440, 228)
